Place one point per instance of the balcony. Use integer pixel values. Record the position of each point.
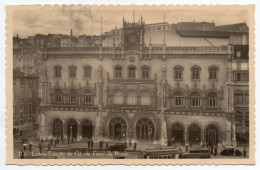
(151, 49)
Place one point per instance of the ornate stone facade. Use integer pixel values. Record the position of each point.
(138, 92)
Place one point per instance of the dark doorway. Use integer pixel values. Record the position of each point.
(57, 128)
(72, 128)
(87, 129)
(117, 128)
(145, 129)
(212, 135)
(194, 134)
(178, 132)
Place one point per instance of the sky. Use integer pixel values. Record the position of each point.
(87, 19)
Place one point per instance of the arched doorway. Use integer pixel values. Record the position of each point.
(117, 128)
(87, 129)
(144, 129)
(212, 135)
(57, 128)
(72, 128)
(178, 132)
(194, 133)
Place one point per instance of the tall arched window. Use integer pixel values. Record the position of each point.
(145, 98)
(195, 100)
(57, 71)
(178, 99)
(195, 73)
(87, 71)
(145, 72)
(118, 71)
(72, 71)
(178, 72)
(118, 98)
(238, 97)
(212, 100)
(73, 96)
(58, 96)
(131, 98)
(131, 72)
(213, 71)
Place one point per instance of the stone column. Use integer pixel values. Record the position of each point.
(233, 130)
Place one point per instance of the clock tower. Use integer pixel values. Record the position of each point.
(133, 35)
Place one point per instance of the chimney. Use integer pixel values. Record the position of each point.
(71, 33)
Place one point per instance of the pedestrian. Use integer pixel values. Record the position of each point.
(57, 140)
(40, 147)
(42, 140)
(92, 143)
(186, 147)
(100, 145)
(244, 151)
(51, 141)
(125, 144)
(68, 140)
(62, 140)
(106, 146)
(216, 150)
(211, 149)
(88, 144)
(30, 147)
(135, 145)
(172, 141)
(55, 143)
(22, 154)
(130, 142)
(49, 147)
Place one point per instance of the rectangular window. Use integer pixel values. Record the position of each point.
(145, 73)
(87, 99)
(22, 83)
(131, 73)
(118, 72)
(21, 109)
(72, 98)
(178, 101)
(195, 101)
(238, 54)
(30, 108)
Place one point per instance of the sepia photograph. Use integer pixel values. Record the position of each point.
(130, 82)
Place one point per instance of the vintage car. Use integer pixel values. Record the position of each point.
(197, 153)
(117, 147)
(230, 152)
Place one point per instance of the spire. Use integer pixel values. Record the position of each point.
(164, 30)
(134, 16)
(101, 31)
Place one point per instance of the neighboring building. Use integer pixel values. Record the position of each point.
(238, 36)
(25, 100)
(154, 86)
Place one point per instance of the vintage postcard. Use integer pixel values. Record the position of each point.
(133, 85)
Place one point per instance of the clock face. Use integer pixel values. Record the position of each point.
(132, 38)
